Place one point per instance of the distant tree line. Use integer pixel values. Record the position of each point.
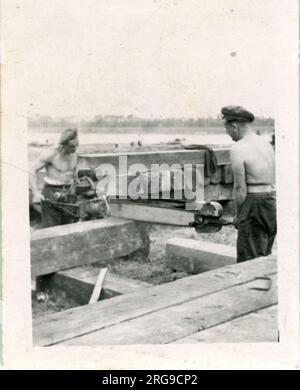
(132, 121)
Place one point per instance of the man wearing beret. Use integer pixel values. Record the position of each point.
(253, 165)
(60, 165)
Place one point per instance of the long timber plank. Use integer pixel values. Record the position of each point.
(170, 324)
(155, 157)
(58, 327)
(218, 192)
(152, 214)
(61, 247)
(195, 256)
(259, 326)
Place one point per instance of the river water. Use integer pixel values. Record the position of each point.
(146, 137)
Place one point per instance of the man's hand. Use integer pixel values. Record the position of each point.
(239, 176)
(37, 198)
(235, 222)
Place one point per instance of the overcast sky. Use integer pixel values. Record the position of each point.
(145, 57)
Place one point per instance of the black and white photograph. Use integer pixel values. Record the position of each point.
(150, 184)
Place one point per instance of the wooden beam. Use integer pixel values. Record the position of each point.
(256, 327)
(178, 321)
(197, 205)
(217, 176)
(195, 256)
(141, 211)
(218, 192)
(152, 214)
(78, 283)
(58, 327)
(169, 157)
(227, 174)
(61, 247)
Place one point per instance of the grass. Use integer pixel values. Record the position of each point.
(52, 302)
(154, 270)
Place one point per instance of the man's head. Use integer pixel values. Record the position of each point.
(69, 140)
(237, 120)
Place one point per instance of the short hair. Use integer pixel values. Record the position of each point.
(68, 135)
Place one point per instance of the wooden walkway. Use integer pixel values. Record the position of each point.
(233, 303)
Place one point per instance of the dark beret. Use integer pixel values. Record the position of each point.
(237, 113)
(67, 135)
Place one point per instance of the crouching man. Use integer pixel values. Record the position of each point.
(253, 165)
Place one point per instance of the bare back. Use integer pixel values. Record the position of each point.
(259, 159)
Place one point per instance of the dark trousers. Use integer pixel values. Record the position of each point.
(256, 226)
(52, 216)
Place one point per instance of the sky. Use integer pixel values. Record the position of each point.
(148, 58)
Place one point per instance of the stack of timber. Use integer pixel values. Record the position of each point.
(227, 304)
(217, 187)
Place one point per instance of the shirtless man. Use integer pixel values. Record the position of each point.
(60, 164)
(253, 165)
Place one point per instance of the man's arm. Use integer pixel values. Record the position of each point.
(39, 164)
(239, 176)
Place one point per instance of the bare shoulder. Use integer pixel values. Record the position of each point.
(237, 149)
(48, 155)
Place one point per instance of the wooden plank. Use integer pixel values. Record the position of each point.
(167, 203)
(169, 157)
(157, 184)
(78, 283)
(118, 185)
(137, 212)
(98, 286)
(227, 174)
(196, 205)
(217, 176)
(151, 214)
(195, 256)
(74, 322)
(218, 192)
(259, 326)
(170, 324)
(154, 157)
(61, 247)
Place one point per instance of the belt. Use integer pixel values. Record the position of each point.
(54, 183)
(256, 188)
